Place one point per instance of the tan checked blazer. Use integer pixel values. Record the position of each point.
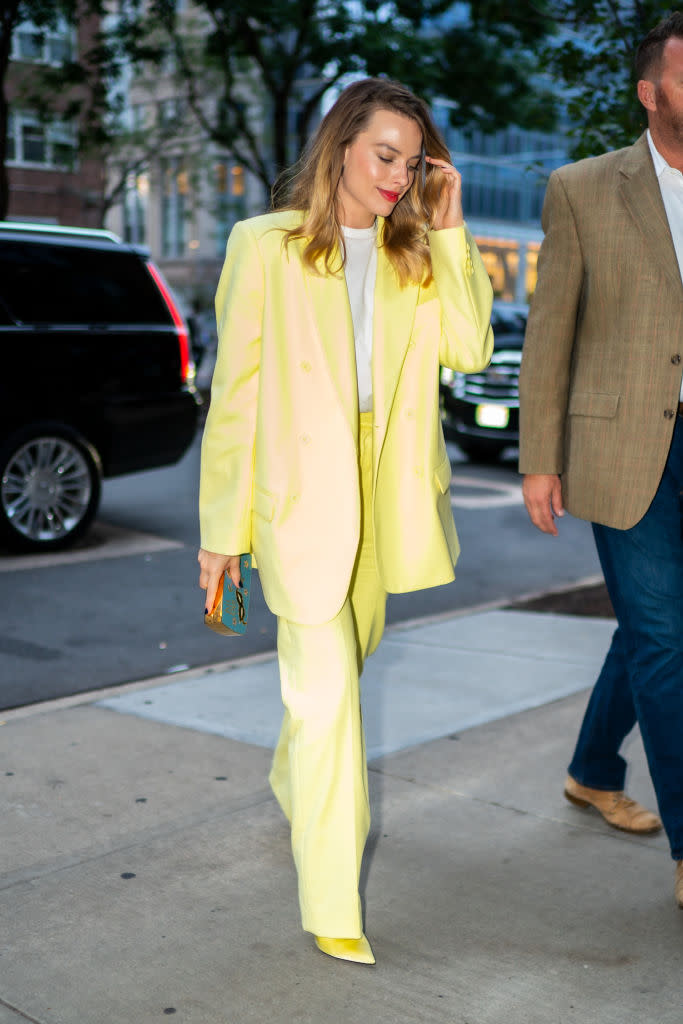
(603, 353)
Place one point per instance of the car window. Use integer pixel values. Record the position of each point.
(45, 283)
(507, 322)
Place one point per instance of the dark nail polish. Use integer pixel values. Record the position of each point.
(206, 611)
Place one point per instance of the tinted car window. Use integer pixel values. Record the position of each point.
(508, 322)
(64, 284)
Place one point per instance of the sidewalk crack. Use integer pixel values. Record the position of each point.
(15, 1009)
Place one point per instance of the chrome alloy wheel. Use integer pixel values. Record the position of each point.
(46, 489)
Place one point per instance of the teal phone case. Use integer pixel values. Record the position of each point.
(231, 613)
(236, 600)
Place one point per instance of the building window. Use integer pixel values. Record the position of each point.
(138, 116)
(171, 111)
(35, 143)
(503, 177)
(135, 208)
(33, 140)
(27, 44)
(175, 194)
(229, 187)
(44, 45)
(511, 266)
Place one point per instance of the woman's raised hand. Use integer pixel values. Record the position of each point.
(448, 212)
(211, 568)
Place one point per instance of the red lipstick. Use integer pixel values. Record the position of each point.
(391, 197)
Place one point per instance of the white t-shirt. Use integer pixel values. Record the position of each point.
(360, 270)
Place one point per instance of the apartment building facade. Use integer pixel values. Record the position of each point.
(504, 179)
(48, 181)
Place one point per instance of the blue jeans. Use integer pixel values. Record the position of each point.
(642, 676)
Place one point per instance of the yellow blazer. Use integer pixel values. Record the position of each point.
(279, 468)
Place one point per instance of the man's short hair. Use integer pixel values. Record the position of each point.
(648, 60)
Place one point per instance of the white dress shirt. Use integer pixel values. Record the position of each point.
(360, 270)
(671, 186)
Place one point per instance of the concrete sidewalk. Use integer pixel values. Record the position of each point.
(145, 868)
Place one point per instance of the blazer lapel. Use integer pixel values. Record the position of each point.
(332, 324)
(393, 316)
(393, 320)
(641, 193)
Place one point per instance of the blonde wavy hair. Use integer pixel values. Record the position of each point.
(311, 185)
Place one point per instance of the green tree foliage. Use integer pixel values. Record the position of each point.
(490, 67)
(591, 55)
(253, 71)
(281, 56)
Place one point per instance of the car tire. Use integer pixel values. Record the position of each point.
(50, 485)
(481, 451)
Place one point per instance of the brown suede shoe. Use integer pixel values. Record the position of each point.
(678, 886)
(617, 809)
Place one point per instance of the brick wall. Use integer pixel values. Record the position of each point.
(69, 197)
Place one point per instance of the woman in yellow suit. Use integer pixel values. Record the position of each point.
(323, 452)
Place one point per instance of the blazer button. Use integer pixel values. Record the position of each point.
(305, 438)
(669, 413)
(306, 367)
(676, 359)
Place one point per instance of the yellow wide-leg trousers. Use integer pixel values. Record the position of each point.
(319, 772)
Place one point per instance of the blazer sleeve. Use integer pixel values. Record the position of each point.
(466, 296)
(549, 340)
(227, 459)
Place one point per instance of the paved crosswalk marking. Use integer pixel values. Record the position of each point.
(104, 540)
(495, 494)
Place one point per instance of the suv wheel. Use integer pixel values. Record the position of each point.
(49, 488)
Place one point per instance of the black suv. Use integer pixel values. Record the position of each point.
(480, 411)
(97, 377)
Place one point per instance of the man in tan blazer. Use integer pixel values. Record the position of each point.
(602, 430)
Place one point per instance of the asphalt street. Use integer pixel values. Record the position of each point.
(124, 605)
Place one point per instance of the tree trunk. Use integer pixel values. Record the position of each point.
(4, 176)
(280, 111)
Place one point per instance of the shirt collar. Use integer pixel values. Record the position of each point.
(658, 160)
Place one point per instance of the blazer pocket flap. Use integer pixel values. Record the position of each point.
(264, 504)
(442, 475)
(591, 403)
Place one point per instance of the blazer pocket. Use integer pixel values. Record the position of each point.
(442, 475)
(590, 403)
(264, 505)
